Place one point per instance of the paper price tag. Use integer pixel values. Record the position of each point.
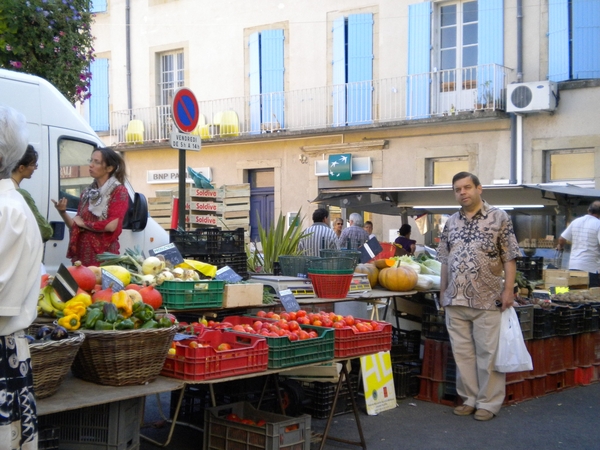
(227, 274)
(110, 281)
(288, 300)
(169, 252)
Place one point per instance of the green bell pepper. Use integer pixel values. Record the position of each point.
(92, 316)
(110, 312)
(164, 322)
(103, 325)
(150, 324)
(126, 324)
(145, 313)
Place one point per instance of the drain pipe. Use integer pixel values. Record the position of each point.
(128, 54)
(516, 122)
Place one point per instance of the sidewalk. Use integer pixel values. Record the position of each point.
(568, 419)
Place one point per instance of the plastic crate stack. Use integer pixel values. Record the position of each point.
(406, 363)
(214, 246)
(319, 398)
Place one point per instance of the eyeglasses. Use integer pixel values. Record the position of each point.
(95, 162)
(35, 165)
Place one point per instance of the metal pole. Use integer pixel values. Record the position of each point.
(182, 196)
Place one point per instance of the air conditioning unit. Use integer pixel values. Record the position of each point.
(530, 97)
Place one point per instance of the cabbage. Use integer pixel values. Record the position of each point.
(409, 262)
(435, 281)
(426, 270)
(434, 265)
(424, 283)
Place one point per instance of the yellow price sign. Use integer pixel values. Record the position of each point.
(561, 289)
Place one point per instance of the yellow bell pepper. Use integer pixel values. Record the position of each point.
(70, 322)
(83, 297)
(74, 308)
(123, 303)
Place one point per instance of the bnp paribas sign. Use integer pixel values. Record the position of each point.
(340, 167)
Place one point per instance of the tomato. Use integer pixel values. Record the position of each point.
(339, 325)
(349, 320)
(292, 316)
(293, 325)
(223, 346)
(300, 313)
(317, 323)
(261, 423)
(193, 344)
(232, 417)
(261, 314)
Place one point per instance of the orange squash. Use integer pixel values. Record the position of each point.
(399, 279)
(370, 270)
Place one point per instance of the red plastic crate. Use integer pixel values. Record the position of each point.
(583, 349)
(536, 386)
(596, 346)
(353, 343)
(248, 354)
(389, 250)
(584, 375)
(514, 393)
(435, 357)
(570, 378)
(515, 377)
(555, 381)
(286, 353)
(435, 392)
(568, 351)
(554, 354)
(537, 350)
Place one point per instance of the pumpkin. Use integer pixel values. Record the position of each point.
(401, 278)
(151, 296)
(370, 270)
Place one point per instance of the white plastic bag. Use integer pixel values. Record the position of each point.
(512, 355)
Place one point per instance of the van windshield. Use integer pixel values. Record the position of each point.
(74, 159)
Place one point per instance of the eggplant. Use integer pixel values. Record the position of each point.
(43, 332)
(59, 333)
(30, 339)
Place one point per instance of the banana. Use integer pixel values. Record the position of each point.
(45, 305)
(55, 300)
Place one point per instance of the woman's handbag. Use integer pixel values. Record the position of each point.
(512, 355)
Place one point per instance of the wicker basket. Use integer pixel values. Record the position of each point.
(123, 357)
(51, 361)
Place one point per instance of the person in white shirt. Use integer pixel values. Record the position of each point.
(318, 236)
(369, 229)
(20, 273)
(584, 235)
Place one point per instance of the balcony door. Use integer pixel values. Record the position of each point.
(457, 57)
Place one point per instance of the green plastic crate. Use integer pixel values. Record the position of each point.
(286, 353)
(279, 432)
(192, 294)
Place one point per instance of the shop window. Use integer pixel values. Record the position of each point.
(569, 165)
(441, 170)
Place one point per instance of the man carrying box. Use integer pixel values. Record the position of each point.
(584, 235)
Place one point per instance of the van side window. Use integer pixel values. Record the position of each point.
(74, 165)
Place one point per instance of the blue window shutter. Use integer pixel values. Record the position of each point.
(586, 39)
(419, 57)
(490, 48)
(99, 117)
(97, 6)
(339, 72)
(271, 74)
(558, 40)
(254, 75)
(360, 68)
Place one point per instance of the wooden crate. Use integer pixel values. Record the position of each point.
(243, 294)
(160, 208)
(559, 277)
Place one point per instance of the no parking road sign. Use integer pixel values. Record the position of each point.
(185, 110)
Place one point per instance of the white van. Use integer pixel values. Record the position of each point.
(65, 142)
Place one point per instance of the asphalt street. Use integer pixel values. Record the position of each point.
(568, 419)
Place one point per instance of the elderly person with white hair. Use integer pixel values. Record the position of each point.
(354, 236)
(21, 249)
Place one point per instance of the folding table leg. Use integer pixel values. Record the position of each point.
(173, 423)
(344, 378)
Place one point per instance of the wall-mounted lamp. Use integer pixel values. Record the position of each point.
(303, 158)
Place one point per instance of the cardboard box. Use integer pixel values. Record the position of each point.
(243, 294)
(563, 278)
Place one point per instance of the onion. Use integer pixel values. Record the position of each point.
(152, 266)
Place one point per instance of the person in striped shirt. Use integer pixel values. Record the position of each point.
(319, 235)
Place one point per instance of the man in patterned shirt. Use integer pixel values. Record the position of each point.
(320, 235)
(477, 245)
(584, 235)
(354, 236)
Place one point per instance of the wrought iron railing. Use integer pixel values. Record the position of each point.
(412, 97)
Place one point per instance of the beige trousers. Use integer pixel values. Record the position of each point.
(474, 337)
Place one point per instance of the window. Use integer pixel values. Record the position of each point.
(468, 48)
(171, 76)
(98, 103)
(569, 165)
(353, 69)
(74, 159)
(266, 80)
(441, 170)
(573, 39)
(97, 6)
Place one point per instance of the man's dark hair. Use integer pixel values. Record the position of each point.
(594, 208)
(368, 222)
(461, 175)
(404, 229)
(320, 214)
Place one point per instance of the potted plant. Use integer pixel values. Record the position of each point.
(485, 95)
(274, 242)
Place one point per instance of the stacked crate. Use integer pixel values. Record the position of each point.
(160, 208)
(201, 205)
(233, 206)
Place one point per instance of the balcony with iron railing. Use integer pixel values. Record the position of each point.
(375, 103)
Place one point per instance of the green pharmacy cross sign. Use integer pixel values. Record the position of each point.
(340, 167)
